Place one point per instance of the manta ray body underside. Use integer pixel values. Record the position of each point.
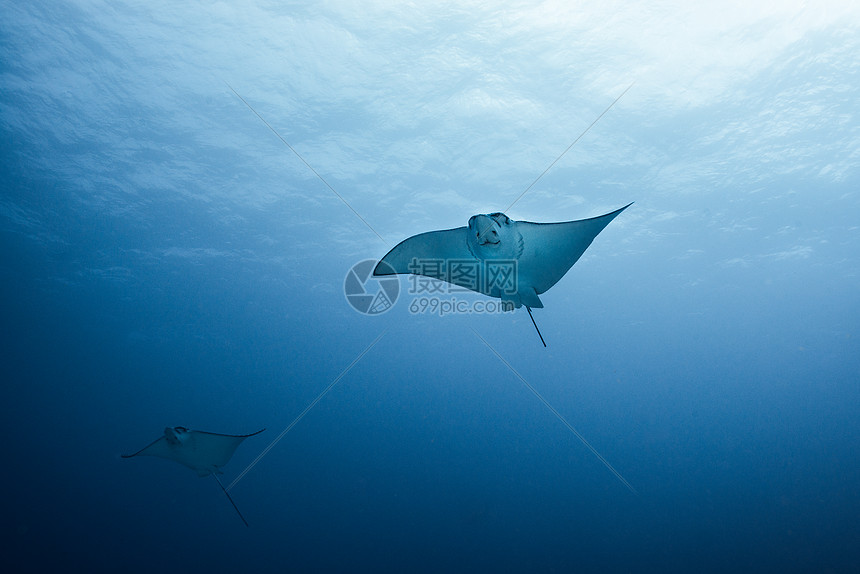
(515, 261)
(203, 452)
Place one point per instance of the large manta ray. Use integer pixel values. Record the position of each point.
(203, 452)
(513, 260)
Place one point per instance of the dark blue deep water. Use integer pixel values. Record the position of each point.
(168, 261)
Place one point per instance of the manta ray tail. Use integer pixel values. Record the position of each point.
(230, 498)
(535, 324)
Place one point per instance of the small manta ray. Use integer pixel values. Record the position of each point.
(513, 260)
(203, 452)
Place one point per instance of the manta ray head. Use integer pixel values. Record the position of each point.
(176, 435)
(494, 236)
(485, 228)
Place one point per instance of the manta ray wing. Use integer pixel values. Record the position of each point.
(159, 447)
(551, 249)
(432, 254)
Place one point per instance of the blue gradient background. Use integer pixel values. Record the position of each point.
(167, 261)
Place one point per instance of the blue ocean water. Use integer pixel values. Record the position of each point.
(168, 261)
